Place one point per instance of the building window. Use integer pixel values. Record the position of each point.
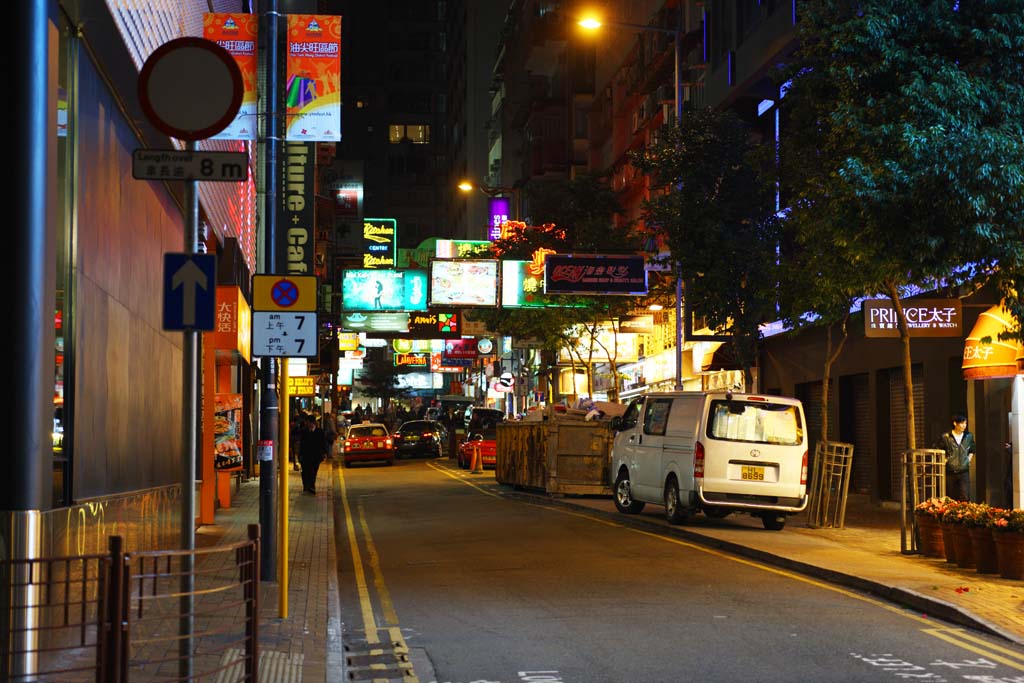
(416, 133)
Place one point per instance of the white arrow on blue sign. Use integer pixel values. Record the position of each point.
(190, 291)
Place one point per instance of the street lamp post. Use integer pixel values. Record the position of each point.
(677, 36)
(469, 186)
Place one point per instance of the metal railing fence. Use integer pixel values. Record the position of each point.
(120, 617)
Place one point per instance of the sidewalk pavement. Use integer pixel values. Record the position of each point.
(305, 645)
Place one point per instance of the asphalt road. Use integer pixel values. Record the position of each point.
(447, 577)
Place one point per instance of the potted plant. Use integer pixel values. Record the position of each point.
(1008, 534)
(977, 519)
(926, 520)
(956, 519)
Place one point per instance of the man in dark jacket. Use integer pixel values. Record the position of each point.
(960, 449)
(312, 451)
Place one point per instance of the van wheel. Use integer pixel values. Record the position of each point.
(674, 511)
(773, 522)
(624, 497)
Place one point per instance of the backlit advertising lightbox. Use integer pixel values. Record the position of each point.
(464, 282)
(384, 290)
(594, 274)
(375, 322)
(520, 288)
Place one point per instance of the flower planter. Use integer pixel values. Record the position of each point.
(985, 559)
(948, 542)
(964, 551)
(1010, 553)
(929, 537)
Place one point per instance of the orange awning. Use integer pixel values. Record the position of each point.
(995, 358)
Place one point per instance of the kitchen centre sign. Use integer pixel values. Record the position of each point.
(925, 318)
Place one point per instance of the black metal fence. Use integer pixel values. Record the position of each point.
(165, 615)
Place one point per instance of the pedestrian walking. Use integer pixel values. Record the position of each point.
(330, 431)
(312, 451)
(958, 443)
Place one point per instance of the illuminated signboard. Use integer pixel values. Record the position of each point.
(434, 325)
(462, 249)
(412, 360)
(589, 274)
(384, 290)
(375, 322)
(498, 212)
(520, 288)
(464, 282)
(380, 241)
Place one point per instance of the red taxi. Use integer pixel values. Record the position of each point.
(366, 443)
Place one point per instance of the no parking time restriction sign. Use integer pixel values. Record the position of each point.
(284, 320)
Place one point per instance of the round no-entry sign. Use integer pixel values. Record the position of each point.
(190, 88)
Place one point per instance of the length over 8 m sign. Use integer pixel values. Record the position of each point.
(925, 318)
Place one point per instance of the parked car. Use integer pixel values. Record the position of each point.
(368, 442)
(716, 452)
(487, 440)
(420, 437)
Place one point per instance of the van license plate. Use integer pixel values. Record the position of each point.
(751, 473)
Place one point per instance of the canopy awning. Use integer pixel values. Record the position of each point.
(994, 358)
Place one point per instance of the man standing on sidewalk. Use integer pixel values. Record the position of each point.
(960, 448)
(312, 451)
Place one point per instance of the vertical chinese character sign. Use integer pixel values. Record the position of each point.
(237, 34)
(313, 81)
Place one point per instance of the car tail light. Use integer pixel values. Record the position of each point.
(348, 445)
(398, 437)
(428, 434)
(698, 460)
(387, 443)
(803, 471)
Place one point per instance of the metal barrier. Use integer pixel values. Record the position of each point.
(923, 477)
(118, 617)
(830, 484)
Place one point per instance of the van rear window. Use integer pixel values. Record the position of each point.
(769, 423)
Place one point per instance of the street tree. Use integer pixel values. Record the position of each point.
(380, 379)
(902, 144)
(574, 216)
(714, 206)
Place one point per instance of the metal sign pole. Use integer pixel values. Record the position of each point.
(190, 440)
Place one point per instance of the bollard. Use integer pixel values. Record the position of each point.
(477, 465)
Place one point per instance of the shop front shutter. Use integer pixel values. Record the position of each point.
(898, 423)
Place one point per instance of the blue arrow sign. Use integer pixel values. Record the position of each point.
(190, 291)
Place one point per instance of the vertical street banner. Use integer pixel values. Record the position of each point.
(237, 33)
(295, 214)
(313, 79)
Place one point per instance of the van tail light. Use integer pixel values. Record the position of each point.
(803, 471)
(698, 460)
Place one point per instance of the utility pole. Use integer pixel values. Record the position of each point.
(269, 409)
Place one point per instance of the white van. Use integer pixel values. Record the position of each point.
(716, 452)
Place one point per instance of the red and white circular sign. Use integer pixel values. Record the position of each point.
(190, 88)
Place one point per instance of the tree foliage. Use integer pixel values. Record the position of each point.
(902, 148)
(715, 209)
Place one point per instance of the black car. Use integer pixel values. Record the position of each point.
(420, 437)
